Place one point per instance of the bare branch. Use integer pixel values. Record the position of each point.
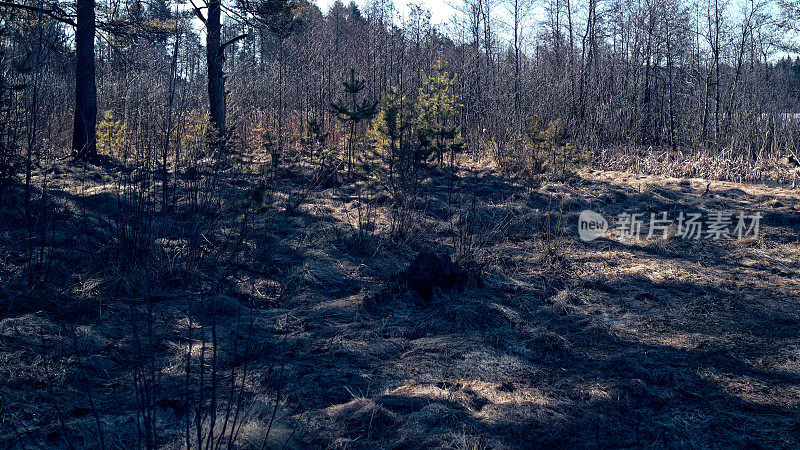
(231, 41)
(198, 12)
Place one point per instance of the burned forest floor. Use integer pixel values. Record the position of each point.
(236, 313)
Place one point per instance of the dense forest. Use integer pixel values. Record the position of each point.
(681, 75)
(267, 224)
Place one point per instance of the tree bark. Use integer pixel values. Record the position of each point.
(216, 79)
(84, 143)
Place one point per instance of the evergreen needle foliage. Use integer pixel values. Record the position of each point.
(436, 110)
(352, 113)
(389, 129)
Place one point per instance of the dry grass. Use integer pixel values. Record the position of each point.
(705, 164)
(604, 344)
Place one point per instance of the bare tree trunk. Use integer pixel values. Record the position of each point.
(646, 108)
(84, 143)
(517, 22)
(571, 61)
(716, 51)
(216, 79)
(173, 80)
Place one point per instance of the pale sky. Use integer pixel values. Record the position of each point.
(441, 11)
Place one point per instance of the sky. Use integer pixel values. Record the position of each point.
(441, 11)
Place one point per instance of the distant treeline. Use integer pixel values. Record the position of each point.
(669, 73)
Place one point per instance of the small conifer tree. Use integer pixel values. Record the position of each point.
(314, 139)
(111, 135)
(436, 108)
(388, 129)
(354, 112)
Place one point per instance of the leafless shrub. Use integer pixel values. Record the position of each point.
(365, 219)
(401, 219)
(463, 228)
(552, 236)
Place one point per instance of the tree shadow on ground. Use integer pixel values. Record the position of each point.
(615, 388)
(610, 361)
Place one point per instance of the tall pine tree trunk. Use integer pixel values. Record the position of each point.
(84, 143)
(216, 79)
